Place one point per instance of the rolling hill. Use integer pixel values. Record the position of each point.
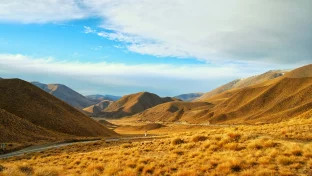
(273, 100)
(189, 96)
(171, 111)
(241, 83)
(97, 108)
(66, 94)
(133, 103)
(29, 113)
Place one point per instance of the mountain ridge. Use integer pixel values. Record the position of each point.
(66, 94)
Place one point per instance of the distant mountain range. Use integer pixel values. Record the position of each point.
(72, 97)
(189, 96)
(274, 96)
(98, 98)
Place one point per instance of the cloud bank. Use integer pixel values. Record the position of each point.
(213, 31)
(164, 79)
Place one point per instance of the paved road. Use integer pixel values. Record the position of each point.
(50, 146)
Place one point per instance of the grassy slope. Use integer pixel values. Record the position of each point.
(15, 129)
(271, 149)
(97, 108)
(42, 109)
(270, 101)
(132, 104)
(241, 83)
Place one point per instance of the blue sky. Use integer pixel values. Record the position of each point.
(123, 46)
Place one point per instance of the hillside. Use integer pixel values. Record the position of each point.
(241, 83)
(132, 104)
(189, 96)
(15, 129)
(172, 111)
(30, 106)
(97, 108)
(98, 98)
(66, 94)
(270, 101)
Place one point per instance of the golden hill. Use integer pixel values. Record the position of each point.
(15, 129)
(66, 94)
(270, 101)
(97, 108)
(39, 108)
(171, 111)
(133, 103)
(241, 83)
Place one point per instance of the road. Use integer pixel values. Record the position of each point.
(40, 148)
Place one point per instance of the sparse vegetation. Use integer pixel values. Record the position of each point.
(241, 150)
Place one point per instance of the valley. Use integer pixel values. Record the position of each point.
(260, 129)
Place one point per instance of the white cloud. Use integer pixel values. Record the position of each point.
(77, 68)
(158, 78)
(41, 11)
(268, 31)
(216, 31)
(88, 30)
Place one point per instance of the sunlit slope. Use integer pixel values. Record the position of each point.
(173, 111)
(133, 103)
(97, 108)
(270, 101)
(42, 109)
(241, 83)
(16, 129)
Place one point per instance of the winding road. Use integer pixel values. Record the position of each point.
(40, 148)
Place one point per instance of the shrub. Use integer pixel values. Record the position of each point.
(177, 141)
(255, 145)
(199, 138)
(26, 169)
(234, 136)
(2, 168)
(178, 152)
(283, 160)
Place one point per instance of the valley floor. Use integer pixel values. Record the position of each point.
(269, 149)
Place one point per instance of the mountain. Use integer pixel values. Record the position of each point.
(273, 100)
(189, 96)
(66, 94)
(98, 98)
(241, 83)
(171, 111)
(97, 108)
(27, 110)
(132, 104)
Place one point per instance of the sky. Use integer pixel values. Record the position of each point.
(166, 47)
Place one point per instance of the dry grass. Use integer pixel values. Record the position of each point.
(241, 150)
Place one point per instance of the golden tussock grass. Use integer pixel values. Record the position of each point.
(240, 150)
